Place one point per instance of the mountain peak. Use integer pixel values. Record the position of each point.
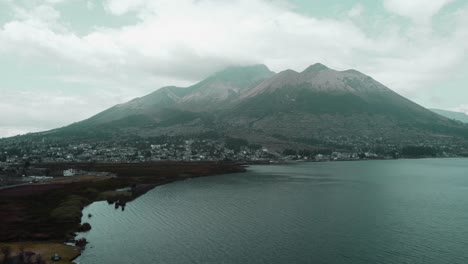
(256, 69)
(237, 77)
(316, 67)
(353, 71)
(288, 71)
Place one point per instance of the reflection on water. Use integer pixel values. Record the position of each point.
(404, 211)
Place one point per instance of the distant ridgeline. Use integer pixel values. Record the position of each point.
(458, 116)
(254, 110)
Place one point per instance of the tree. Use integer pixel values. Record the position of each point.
(418, 151)
(255, 146)
(81, 243)
(27, 255)
(304, 153)
(21, 254)
(84, 227)
(6, 250)
(289, 152)
(147, 154)
(39, 259)
(235, 143)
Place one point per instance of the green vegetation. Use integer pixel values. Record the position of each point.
(289, 152)
(235, 143)
(70, 209)
(113, 196)
(129, 121)
(302, 99)
(173, 117)
(418, 151)
(84, 227)
(209, 135)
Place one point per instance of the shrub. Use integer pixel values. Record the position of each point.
(70, 209)
(84, 227)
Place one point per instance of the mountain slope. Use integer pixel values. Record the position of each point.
(459, 116)
(318, 106)
(319, 89)
(320, 101)
(216, 91)
(224, 87)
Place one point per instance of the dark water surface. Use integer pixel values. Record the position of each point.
(402, 211)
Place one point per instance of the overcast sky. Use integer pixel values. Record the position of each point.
(62, 61)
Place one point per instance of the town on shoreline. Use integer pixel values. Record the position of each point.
(23, 160)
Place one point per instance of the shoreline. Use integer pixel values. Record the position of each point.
(344, 160)
(50, 212)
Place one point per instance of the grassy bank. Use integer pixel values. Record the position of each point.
(44, 250)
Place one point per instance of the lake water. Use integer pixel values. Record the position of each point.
(400, 211)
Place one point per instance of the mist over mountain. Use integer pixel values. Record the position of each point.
(318, 107)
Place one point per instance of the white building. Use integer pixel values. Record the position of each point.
(70, 172)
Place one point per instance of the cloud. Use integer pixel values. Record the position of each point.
(31, 111)
(180, 42)
(420, 11)
(90, 5)
(120, 7)
(356, 10)
(55, 108)
(18, 130)
(461, 108)
(44, 13)
(180, 39)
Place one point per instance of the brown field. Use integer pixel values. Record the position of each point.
(52, 210)
(73, 179)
